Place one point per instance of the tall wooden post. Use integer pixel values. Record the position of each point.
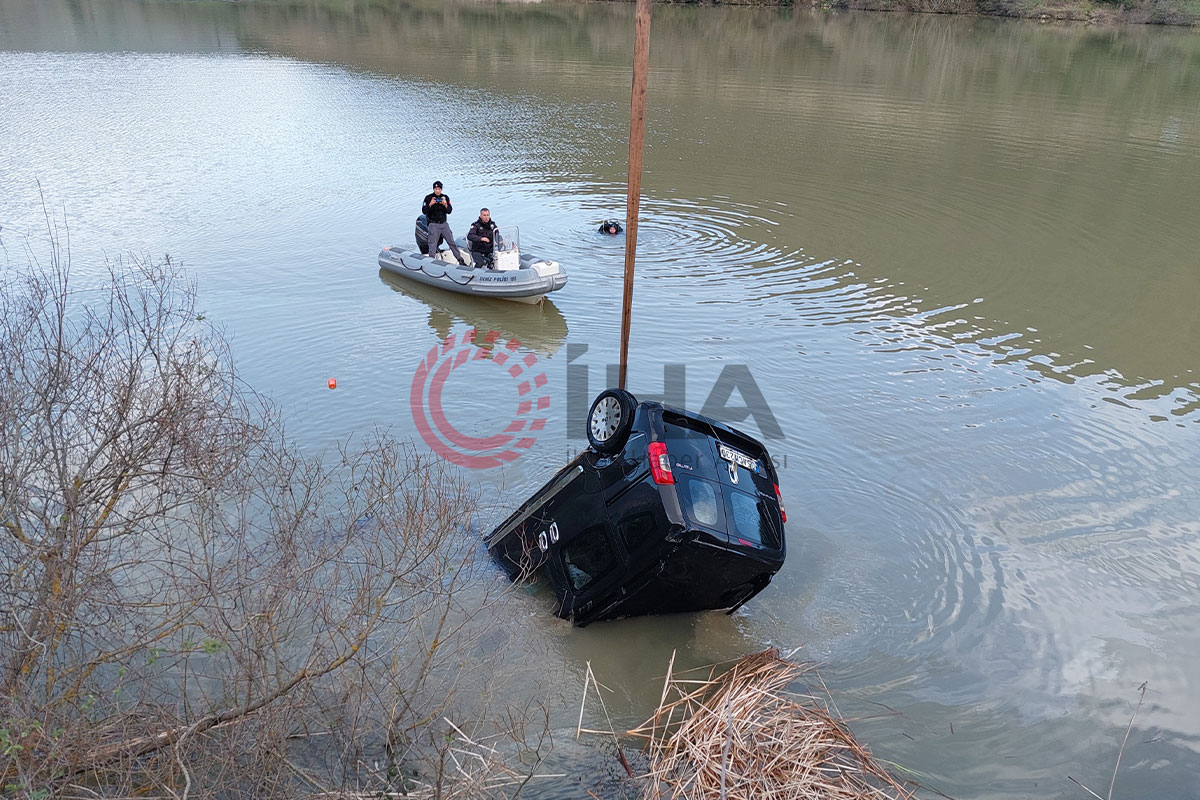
(637, 136)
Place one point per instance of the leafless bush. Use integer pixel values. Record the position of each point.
(189, 606)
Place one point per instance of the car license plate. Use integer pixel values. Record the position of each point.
(741, 459)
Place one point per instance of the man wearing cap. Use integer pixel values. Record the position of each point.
(435, 208)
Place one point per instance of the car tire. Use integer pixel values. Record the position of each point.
(610, 419)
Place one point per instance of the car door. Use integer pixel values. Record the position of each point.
(697, 482)
(748, 494)
(590, 567)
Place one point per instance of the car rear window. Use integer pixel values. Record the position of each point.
(701, 501)
(751, 520)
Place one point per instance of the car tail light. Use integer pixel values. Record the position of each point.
(660, 463)
(782, 510)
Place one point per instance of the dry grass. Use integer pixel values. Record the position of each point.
(741, 734)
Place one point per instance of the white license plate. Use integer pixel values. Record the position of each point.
(741, 459)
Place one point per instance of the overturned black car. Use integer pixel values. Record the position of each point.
(666, 511)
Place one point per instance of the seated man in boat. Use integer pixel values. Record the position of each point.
(483, 238)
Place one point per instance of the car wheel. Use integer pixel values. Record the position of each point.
(610, 420)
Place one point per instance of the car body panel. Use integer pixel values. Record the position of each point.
(615, 543)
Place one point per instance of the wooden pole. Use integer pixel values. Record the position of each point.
(637, 136)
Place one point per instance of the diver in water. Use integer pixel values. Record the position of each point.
(611, 226)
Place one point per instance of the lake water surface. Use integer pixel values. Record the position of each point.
(959, 257)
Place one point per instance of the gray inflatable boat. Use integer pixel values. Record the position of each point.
(514, 275)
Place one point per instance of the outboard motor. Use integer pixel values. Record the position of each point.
(423, 234)
(611, 226)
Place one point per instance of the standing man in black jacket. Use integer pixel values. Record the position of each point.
(483, 237)
(435, 208)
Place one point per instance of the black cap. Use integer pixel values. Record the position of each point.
(437, 184)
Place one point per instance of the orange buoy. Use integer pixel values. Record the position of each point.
(333, 383)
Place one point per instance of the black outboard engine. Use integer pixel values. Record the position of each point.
(611, 227)
(423, 234)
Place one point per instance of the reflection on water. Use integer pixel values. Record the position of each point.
(540, 328)
(1039, 171)
(956, 255)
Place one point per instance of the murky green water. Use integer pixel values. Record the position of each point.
(958, 256)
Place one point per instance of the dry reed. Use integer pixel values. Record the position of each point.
(741, 734)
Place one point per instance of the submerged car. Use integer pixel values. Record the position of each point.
(666, 511)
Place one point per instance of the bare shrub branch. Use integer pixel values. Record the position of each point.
(187, 602)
